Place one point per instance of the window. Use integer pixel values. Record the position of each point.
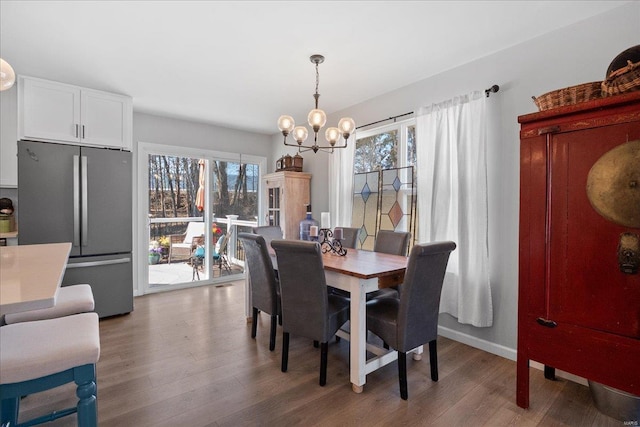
(384, 189)
(386, 147)
(235, 189)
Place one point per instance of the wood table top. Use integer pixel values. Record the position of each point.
(365, 264)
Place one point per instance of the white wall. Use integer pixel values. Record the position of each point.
(576, 54)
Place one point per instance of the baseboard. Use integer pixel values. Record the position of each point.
(500, 350)
(488, 346)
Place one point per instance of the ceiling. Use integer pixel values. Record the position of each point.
(241, 64)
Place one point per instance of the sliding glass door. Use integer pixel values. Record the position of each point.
(192, 205)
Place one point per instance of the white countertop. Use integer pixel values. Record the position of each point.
(9, 235)
(30, 275)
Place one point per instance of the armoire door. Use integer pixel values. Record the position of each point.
(586, 285)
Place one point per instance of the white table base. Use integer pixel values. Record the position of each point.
(359, 365)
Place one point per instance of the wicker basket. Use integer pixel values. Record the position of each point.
(626, 79)
(569, 96)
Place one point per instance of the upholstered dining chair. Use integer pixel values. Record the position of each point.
(411, 320)
(265, 289)
(269, 232)
(349, 237)
(392, 242)
(308, 309)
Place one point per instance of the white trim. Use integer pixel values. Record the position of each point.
(502, 351)
(488, 346)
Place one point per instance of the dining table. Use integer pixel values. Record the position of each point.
(30, 275)
(360, 272)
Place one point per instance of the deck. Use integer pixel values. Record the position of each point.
(182, 272)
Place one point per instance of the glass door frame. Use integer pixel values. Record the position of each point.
(141, 207)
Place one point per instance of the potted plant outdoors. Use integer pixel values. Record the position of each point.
(215, 232)
(155, 253)
(164, 243)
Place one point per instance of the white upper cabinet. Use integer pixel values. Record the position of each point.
(106, 119)
(58, 112)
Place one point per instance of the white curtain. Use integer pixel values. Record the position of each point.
(452, 200)
(341, 183)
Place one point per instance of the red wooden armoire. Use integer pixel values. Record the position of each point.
(579, 293)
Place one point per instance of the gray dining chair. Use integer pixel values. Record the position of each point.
(411, 320)
(265, 290)
(349, 237)
(308, 309)
(269, 232)
(392, 242)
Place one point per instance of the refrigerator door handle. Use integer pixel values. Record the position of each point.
(98, 263)
(76, 200)
(85, 202)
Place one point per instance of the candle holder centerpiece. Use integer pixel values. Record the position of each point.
(332, 243)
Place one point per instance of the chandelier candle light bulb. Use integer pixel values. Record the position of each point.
(286, 124)
(300, 134)
(7, 75)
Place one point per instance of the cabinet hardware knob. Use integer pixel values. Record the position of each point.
(546, 322)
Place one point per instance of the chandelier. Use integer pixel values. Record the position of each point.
(317, 119)
(7, 75)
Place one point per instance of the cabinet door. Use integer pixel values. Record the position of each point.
(586, 286)
(106, 119)
(273, 189)
(48, 111)
(294, 203)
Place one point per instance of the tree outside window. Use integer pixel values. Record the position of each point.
(376, 152)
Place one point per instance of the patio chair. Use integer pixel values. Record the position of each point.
(197, 256)
(181, 244)
(220, 252)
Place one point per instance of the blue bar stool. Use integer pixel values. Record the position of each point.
(44, 354)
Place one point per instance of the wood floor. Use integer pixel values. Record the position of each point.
(186, 358)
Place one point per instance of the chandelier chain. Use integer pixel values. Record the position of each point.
(317, 79)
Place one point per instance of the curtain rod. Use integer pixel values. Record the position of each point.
(384, 120)
(487, 92)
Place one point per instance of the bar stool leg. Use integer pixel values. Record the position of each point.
(9, 411)
(87, 410)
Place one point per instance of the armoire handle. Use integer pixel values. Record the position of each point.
(546, 322)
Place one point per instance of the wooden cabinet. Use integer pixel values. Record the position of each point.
(578, 309)
(286, 196)
(57, 112)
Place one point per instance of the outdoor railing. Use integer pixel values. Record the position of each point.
(161, 228)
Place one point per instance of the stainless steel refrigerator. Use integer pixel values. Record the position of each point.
(82, 195)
